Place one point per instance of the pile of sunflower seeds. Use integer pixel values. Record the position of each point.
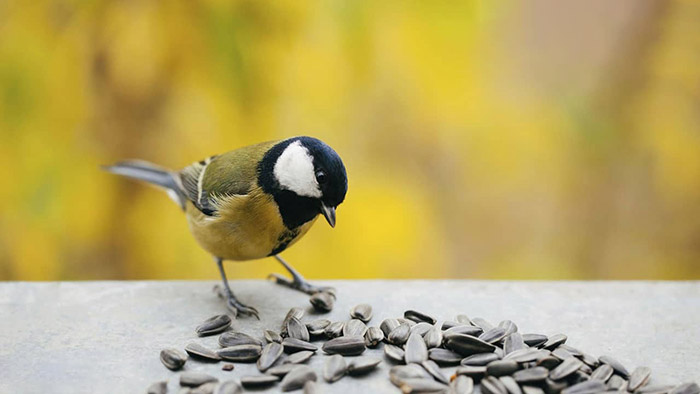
(489, 359)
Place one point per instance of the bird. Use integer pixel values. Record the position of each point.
(253, 202)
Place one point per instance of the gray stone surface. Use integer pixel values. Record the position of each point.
(105, 337)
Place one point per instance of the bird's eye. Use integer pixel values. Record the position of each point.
(321, 177)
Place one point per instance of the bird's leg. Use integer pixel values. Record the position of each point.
(298, 282)
(231, 302)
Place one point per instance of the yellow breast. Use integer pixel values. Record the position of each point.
(247, 227)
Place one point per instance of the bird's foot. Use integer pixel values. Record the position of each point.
(235, 306)
(300, 284)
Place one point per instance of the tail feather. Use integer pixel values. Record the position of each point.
(153, 174)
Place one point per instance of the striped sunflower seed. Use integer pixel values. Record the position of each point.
(317, 327)
(588, 387)
(686, 388)
(281, 370)
(511, 385)
(298, 357)
(272, 336)
(297, 329)
(399, 335)
(334, 368)
(213, 325)
(373, 336)
(297, 377)
(421, 386)
(395, 353)
(269, 355)
(354, 328)
(421, 328)
(509, 326)
(616, 365)
(524, 355)
(388, 325)
(493, 335)
(467, 345)
(434, 370)
(550, 362)
(513, 342)
(362, 365)
(196, 350)
(602, 373)
(531, 375)
(466, 330)
(554, 341)
(482, 323)
(433, 338)
(233, 338)
(418, 317)
(158, 388)
(173, 359)
(415, 349)
(229, 387)
(322, 301)
(293, 345)
(561, 353)
(480, 359)
(399, 373)
(501, 368)
(638, 378)
(334, 330)
(241, 353)
(295, 312)
(566, 368)
(259, 381)
(194, 378)
(362, 312)
(534, 340)
(461, 385)
(572, 350)
(345, 345)
(443, 356)
(491, 385)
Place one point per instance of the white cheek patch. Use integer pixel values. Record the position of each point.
(294, 170)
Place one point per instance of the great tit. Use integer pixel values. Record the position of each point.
(253, 202)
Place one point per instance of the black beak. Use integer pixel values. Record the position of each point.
(328, 213)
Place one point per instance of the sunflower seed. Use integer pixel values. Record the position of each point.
(531, 375)
(443, 356)
(354, 327)
(461, 385)
(588, 387)
(421, 328)
(572, 350)
(281, 370)
(173, 359)
(433, 338)
(229, 387)
(510, 384)
(388, 325)
(554, 341)
(513, 342)
(434, 370)
(415, 349)
(373, 336)
(654, 390)
(345, 345)
(399, 373)
(493, 335)
(602, 373)
(334, 330)
(199, 351)
(310, 387)
(322, 301)
(473, 372)
(585, 369)
(272, 336)
(298, 357)
(297, 313)
(448, 324)
(418, 317)
(466, 330)
(467, 345)
(589, 360)
(566, 368)
(421, 386)
(549, 362)
(501, 367)
(534, 340)
(258, 381)
(362, 365)
(480, 359)
(638, 378)
(509, 326)
(394, 352)
(158, 388)
(686, 388)
(524, 355)
(206, 388)
(293, 345)
(269, 355)
(194, 378)
(532, 390)
(213, 325)
(240, 352)
(334, 368)
(296, 329)
(561, 353)
(237, 338)
(482, 323)
(491, 385)
(616, 365)
(362, 312)
(463, 319)
(317, 327)
(297, 377)
(399, 335)
(227, 367)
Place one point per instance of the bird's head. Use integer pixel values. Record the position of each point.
(305, 174)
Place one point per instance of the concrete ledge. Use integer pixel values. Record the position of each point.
(88, 337)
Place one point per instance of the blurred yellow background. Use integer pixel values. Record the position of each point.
(538, 139)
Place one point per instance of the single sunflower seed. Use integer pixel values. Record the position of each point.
(531, 375)
(501, 368)
(269, 355)
(258, 381)
(554, 386)
(173, 359)
(418, 317)
(434, 370)
(373, 336)
(467, 345)
(399, 335)
(482, 323)
(362, 365)
(616, 365)
(298, 357)
(322, 301)
(511, 385)
(509, 326)
(394, 352)
(433, 338)
(638, 378)
(388, 325)
(354, 327)
(524, 355)
(213, 325)
(472, 371)
(272, 336)
(196, 350)
(463, 319)
(334, 330)
(421, 328)
(566, 368)
(317, 327)
(281, 370)
(534, 340)
(513, 342)
(443, 356)
(561, 353)
(293, 345)
(602, 373)
(480, 359)
(297, 377)
(554, 341)
(194, 378)
(421, 386)
(461, 385)
(345, 345)
(233, 338)
(448, 324)
(362, 312)
(297, 329)
(463, 329)
(493, 335)
(334, 368)
(399, 373)
(295, 312)
(415, 350)
(616, 382)
(241, 353)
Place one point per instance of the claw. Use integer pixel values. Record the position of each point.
(300, 285)
(236, 307)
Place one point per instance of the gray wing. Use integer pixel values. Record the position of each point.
(192, 183)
